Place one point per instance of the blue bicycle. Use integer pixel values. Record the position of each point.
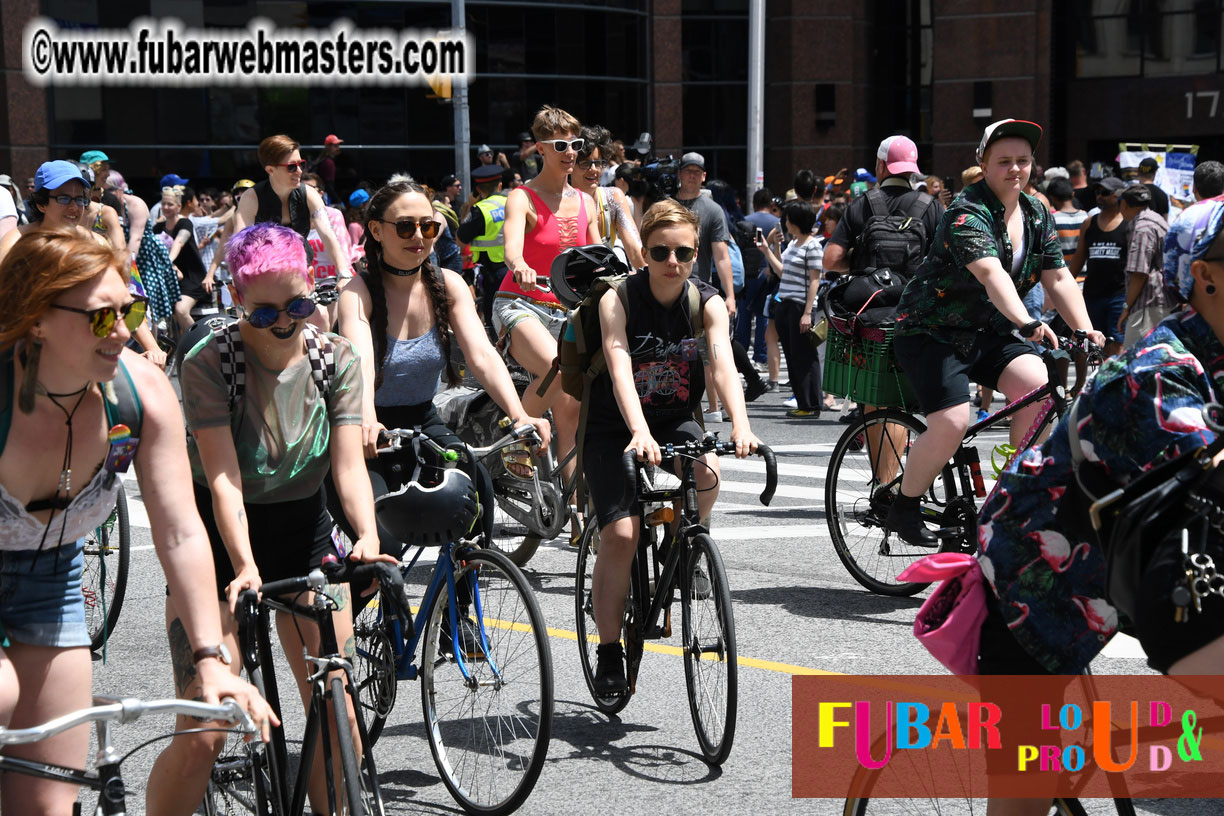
(485, 664)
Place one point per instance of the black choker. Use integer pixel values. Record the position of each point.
(403, 273)
(42, 390)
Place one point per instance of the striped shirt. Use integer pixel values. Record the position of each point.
(1068, 225)
(796, 261)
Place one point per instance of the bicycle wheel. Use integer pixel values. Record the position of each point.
(864, 474)
(240, 780)
(708, 626)
(360, 786)
(104, 573)
(489, 731)
(511, 537)
(584, 617)
(374, 677)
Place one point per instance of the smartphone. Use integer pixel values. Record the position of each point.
(947, 180)
(760, 235)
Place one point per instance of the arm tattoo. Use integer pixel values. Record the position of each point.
(185, 672)
(714, 350)
(350, 647)
(341, 596)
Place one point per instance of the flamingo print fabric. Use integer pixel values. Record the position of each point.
(1143, 407)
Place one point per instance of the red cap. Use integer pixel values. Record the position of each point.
(333, 139)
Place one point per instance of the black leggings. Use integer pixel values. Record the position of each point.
(388, 473)
(744, 365)
(801, 360)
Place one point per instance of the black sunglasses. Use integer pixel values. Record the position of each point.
(299, 308)
(660, 253)
(102, 319)
(407, 227)
(587, 164)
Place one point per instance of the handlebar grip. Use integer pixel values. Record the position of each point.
(629, 469)
(771, 473)
(389, 578)
(286, 586)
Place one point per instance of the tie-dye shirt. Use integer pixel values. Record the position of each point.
(1143, 408)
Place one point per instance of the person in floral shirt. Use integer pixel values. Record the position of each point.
(1144, 407)
(958, 318)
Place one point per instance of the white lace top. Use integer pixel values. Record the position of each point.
(21, 531)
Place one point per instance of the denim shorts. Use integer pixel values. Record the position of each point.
(510, 310)
(40, 596)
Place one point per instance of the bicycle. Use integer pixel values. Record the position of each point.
(248, 779)
(867, 464)
(488, 702)
(108, 549)
(707, 618)
(106, 778)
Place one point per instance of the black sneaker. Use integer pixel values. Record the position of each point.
(469, 638)
(755, 389)
(700, 584)
(905, 520)
(609, 680)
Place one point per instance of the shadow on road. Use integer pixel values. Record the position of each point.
(830, 603)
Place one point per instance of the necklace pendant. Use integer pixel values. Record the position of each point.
(66, 481)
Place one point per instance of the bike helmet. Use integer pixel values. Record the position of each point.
(198, 332)
(575, 269)
(429, 516)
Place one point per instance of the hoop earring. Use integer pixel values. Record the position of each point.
(29, 377)
(1210, 289)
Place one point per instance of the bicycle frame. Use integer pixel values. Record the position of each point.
(257, 653)
(548, 492)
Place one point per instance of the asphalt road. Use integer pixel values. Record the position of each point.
(796, 611)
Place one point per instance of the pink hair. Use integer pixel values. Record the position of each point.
(266, 249)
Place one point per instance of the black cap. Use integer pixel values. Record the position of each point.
(1137, 195)
(526, 136)
(448, 181)
(1148, 166)
(487, 172)
(1111, 185)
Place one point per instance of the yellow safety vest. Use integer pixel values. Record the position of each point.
(491, 243)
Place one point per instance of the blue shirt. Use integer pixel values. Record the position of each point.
(1144, 406)
(767, 224)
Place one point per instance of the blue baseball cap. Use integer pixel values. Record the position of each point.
(359, 197)
(92, 156)
(57, 173)
(173, 180)
(862, 175)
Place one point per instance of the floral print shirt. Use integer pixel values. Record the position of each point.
(944, 300)
(1143, 407)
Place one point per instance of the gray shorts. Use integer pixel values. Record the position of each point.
(510, 310)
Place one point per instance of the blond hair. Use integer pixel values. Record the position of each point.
(667, 213)
(550, 121)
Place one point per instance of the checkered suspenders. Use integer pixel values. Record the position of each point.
(319, 349)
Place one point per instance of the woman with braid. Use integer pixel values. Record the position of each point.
(399, 314)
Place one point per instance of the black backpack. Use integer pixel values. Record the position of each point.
(743, 232)
(893, 240)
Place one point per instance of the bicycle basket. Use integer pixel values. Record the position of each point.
(429, 516)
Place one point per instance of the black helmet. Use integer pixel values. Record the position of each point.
(575, 269)
(429, 516)
(198, 332)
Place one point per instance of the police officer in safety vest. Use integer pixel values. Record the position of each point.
(482, 230)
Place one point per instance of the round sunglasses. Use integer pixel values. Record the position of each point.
(660, 253)
(407, 227)
(102, 320)
(266, 316)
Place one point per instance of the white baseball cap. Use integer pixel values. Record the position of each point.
(1028, 131)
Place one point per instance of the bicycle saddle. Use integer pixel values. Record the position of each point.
(429, 516)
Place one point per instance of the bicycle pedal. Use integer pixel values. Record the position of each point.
(667, 627)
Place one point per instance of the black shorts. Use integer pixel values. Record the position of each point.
(288, 539)
(601, 467)
(941, 377)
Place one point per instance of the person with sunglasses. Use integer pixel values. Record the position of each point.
(544, 217)
(399, 313)
(283, 198)
(649, 395)
(68, 313)
(259, 454)
(614, 210)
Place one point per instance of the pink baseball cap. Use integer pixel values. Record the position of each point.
(899, 154)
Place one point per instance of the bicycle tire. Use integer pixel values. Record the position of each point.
(511, 538)
(360, 792)
(375, 683)
(489, 767)
(708, 627)
(855, 506)
(239, 782)
(104, 573)
(584, 617)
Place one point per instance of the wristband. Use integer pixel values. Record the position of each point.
(1026, 331)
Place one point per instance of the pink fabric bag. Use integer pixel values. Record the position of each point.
(949, 624)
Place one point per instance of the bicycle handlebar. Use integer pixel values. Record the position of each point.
(629, 462)
(337, 571)
(398, 436)
(130, 709)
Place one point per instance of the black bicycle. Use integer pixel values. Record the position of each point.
(247, 779)
(106, 778)
(689, 562)
(868, 462)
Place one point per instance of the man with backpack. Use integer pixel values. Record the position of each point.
(890, 227)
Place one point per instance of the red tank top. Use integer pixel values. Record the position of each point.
(551, 236)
